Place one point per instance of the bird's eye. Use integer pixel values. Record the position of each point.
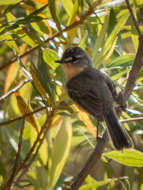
(76, 57)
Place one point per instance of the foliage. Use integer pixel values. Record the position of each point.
(35, 150)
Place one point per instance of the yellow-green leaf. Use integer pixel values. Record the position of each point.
(60, 150)
(128, 157)
(6, 2)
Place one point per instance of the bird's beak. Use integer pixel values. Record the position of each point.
(64, 60)
(60, 61)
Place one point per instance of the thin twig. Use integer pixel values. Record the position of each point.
(73, 25)
(23, 167)
(133, 18)
(14, 89)
(22, 116)
(36, 152)
(133, 74)
(91, 162)
(43, 130)
(138, 62)
(95, 157)
(131, 120)
(9, 183)
(40, 140)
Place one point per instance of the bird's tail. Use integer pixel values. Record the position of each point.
(119, 136)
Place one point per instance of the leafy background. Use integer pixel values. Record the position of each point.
(46, 149)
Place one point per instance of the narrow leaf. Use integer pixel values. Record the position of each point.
(128, 157)
(60, 150)
(7, 2)
(25, 108)
(85, 118)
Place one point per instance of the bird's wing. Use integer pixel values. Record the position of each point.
(86, 92)
(116, 93)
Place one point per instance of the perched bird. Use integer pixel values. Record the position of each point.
(94, 92)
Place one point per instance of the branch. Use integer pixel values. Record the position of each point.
(133, 18)
(73, 25)
(133, 74)
(24, 165)
(14, 90)
(95, 156)
(91, 162)
(9, 183)
(138, 62)
(131, 120)
(22, 116)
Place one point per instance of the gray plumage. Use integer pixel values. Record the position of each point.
(96, 93)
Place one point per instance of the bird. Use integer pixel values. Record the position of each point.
(93, 91)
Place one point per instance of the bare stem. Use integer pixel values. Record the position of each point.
(22, 116)
(9, 184)
(2, 98)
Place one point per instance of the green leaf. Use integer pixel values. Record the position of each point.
(74, 10)
(119, 74)
(7, 2)
(60, 150)
(66, 5)
(53, 11)
(12, 20)
(93, 184)
(101, 39)
(128, 157)
(123, 61)
(50, 57)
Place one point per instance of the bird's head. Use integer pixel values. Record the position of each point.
(75, 56)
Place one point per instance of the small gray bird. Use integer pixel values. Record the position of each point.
(94, 92)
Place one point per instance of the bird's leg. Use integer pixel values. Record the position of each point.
(97, 130)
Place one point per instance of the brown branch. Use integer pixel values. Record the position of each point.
(131, 120)
(47, 128)
(133, 74)
(91, 162)
(14, 90)
(73, 25)
(138, 62)
(22, 116)
(9, 183)
(24, 166)
(95, 156)
(133, 18)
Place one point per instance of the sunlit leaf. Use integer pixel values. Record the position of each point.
(25, 108)
(66, 5)
(41, 1)
(128, 157)
(93, 184)
(72, 18)
(50, 57)
(11, 74)
(101, 39)
(60, 150)
(39, 26)
(43, 151)
(38, 82)
(53, 10)
(12, 71)
(85, 118)
(6, 2)
(123, 61)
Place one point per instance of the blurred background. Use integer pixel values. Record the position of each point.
(45, 140)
